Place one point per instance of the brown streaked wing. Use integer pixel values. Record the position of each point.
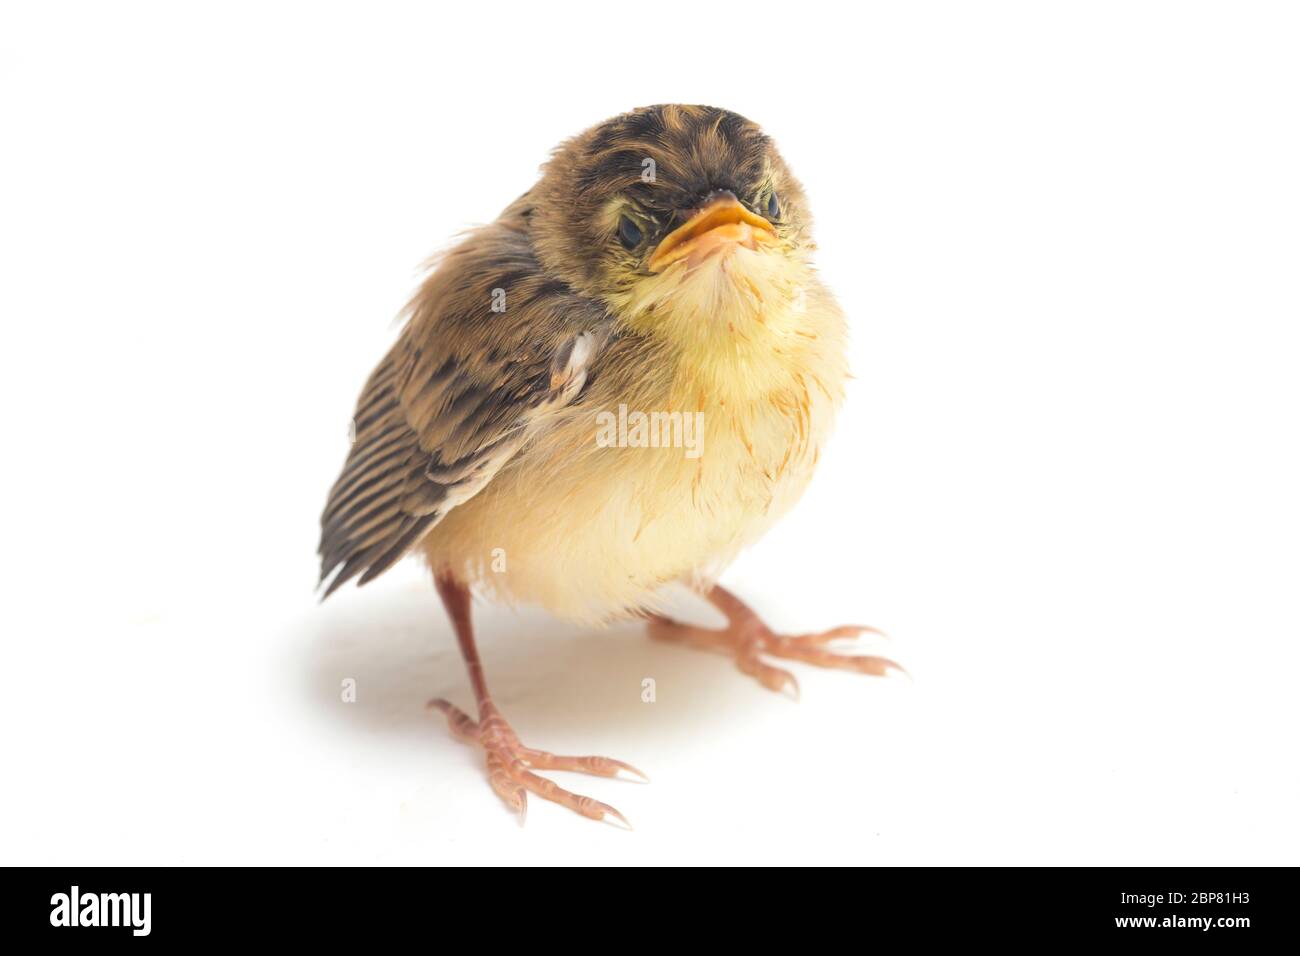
(459, 393)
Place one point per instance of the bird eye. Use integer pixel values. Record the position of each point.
(773, 207)
(628, 233)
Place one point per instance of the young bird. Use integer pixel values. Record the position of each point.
(660, 265)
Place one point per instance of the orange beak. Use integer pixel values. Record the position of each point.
(721, 223)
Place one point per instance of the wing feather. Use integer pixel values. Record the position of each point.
(460, 392)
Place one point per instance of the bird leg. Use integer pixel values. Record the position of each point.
(510, 764)
(747, 639)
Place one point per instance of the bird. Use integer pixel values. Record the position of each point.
(616, 386)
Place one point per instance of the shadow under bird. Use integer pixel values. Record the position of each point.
(619, 384)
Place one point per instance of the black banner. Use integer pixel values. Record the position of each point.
(1225, 907)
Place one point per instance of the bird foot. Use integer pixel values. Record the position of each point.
(748, 640)
(510, 764)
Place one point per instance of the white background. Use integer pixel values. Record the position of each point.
(1066, 478)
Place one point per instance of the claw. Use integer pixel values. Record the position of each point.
(899, 668)
(620, 765)
(611, 812)
(785, 681)
(597, 766)
(875, 666)
(847, 632)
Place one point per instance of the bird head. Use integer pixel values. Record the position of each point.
(684, 220)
